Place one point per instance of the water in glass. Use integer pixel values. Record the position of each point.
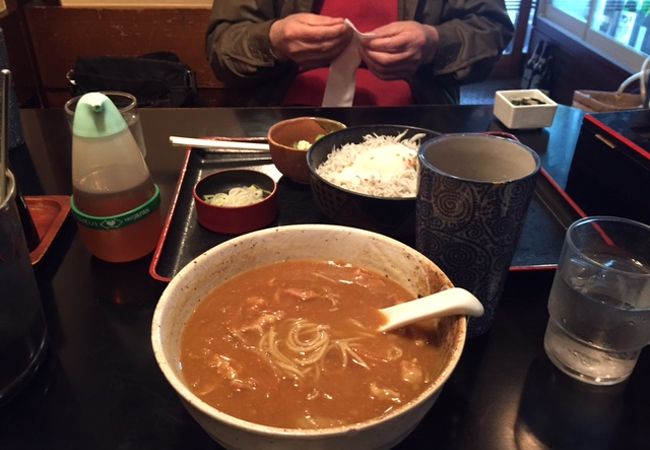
(594, 334)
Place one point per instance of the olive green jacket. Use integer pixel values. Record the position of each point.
(473, 33)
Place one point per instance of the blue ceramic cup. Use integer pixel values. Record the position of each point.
(473, 194)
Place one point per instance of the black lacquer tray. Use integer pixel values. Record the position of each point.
(183, 239)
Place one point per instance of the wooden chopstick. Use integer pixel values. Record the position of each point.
(5, 80)
(220, 146)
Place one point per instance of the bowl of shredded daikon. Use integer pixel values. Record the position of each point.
(235, 201)
(366, 176)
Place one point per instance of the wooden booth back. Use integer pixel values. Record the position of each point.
(61, 34)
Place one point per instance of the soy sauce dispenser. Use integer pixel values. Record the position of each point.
(115, 202)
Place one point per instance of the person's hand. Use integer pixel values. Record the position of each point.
(308, 39)
(399, 48)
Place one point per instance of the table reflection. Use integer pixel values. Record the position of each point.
(559, 412)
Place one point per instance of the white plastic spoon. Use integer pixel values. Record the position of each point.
(450, 302)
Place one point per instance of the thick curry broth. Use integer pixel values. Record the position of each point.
(228, 341)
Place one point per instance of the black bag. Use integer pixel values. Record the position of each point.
(156, 79)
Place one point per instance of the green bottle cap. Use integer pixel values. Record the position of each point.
(96, 116)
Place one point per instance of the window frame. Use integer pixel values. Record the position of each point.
(598, 42)
(509, 65)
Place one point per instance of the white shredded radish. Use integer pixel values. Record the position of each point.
(383, 166)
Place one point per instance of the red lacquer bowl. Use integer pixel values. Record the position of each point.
(235, 219)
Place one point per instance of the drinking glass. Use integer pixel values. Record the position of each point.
(599, 303)
(127, 104)
(22, 323)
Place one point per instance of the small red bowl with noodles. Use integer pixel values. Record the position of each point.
(270, 339)
(235, 201)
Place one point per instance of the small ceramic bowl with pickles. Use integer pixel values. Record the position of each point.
(290, 139)
(524, 108)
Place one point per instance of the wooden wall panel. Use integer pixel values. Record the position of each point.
(136, 3)
(59, 35)
(21, 58)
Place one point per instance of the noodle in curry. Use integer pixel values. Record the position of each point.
(294, 344)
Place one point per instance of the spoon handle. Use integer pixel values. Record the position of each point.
(450, 302)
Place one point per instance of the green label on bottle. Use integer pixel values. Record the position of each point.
(120, 220)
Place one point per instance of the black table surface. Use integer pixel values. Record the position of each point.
(100, 388)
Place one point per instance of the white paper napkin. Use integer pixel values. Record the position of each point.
(340, 87)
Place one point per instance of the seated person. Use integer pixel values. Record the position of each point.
(278, 52)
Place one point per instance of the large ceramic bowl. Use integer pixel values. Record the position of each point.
(329, 242)
(392, 216)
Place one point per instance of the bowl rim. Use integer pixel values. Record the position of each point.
(288, 121)
(266, 199)
(507, 96)
(481, 136)
(186, 394)
(314, 173)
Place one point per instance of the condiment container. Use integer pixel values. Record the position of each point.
(524, 108)
(115, 202)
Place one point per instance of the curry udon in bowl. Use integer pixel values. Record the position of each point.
(270, 339)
